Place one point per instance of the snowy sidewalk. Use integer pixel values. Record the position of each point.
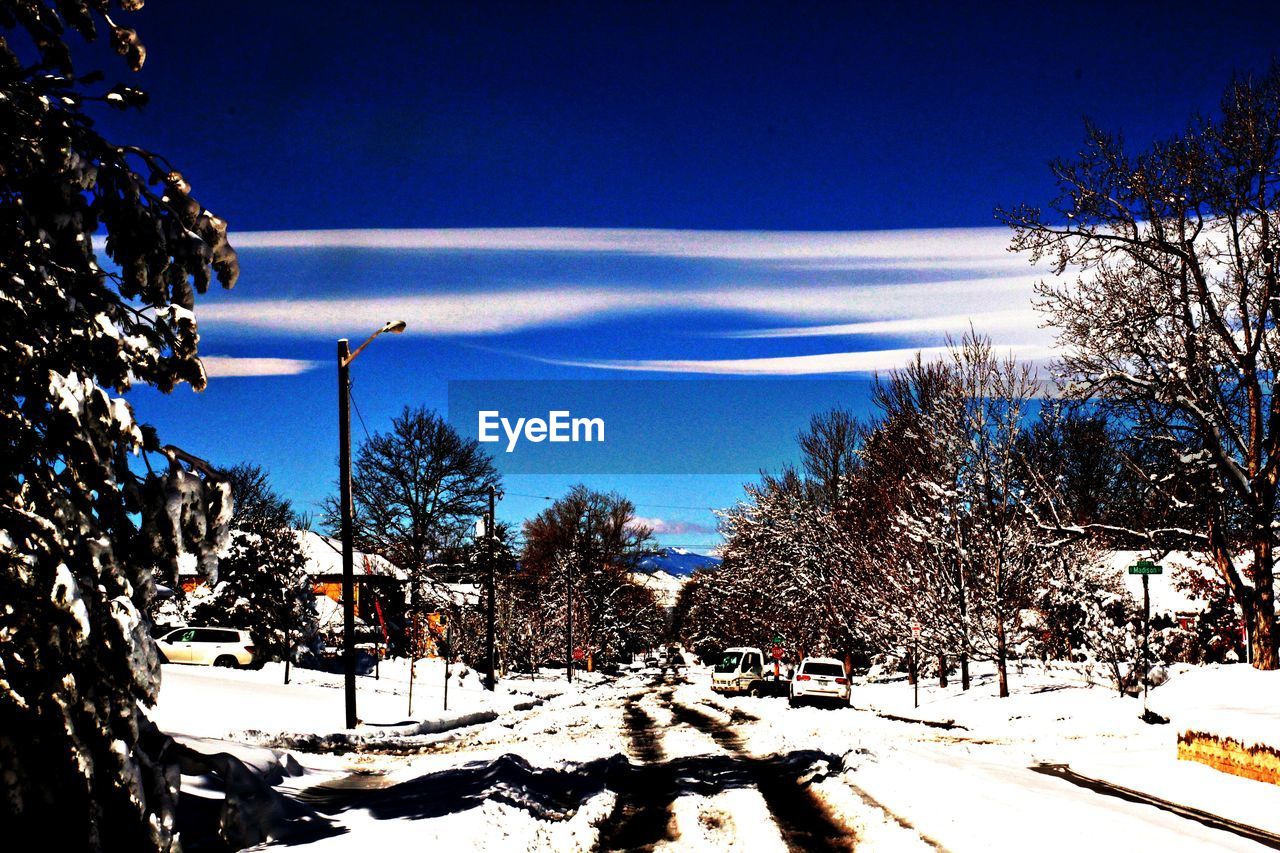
(256, 706)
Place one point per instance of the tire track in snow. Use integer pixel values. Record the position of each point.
(894, 816)
(642, 816)
(802, 819)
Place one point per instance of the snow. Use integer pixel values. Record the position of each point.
(324, 557)
(66, 596)
(1166, 597)
(1227, 700)
(257, 705)
(539, 775)
(665, 587)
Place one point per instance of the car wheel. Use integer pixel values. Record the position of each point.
(226, 660)
(753, 691)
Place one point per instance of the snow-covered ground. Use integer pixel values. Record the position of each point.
(657, 761)
(217, 702)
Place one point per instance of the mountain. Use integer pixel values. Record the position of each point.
(678, 562)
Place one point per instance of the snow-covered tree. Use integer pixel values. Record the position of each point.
(785, 567)
(262, 585)
(1173, 323)
(913, 464)
(1106, 619)
(596, 535)
(80, 766)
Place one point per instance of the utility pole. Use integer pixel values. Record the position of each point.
(448, 653)
(345, 357)
(491, 681)
(568, 607)
(568, 597)
(348, 573)
(288, 635)
(413, 655)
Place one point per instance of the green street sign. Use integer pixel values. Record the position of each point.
(777, 639)
(1145, 567)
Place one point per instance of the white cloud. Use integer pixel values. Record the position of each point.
(226, 366)
(988, 322)
(940, 246)
(484, 313)
(673, 528)
(541, 305)
(793, 365)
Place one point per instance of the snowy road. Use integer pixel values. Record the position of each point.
(659, 762)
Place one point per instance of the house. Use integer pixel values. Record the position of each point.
(374, 574)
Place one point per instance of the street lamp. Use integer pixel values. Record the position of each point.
(345, 357)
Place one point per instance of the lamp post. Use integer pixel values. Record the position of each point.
(345, 357)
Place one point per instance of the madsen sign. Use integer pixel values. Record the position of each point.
(558, 426)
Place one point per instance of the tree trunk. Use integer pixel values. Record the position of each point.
(1257, 601)
(1002, 670)
(1262, 636)
(942, 670)
(964, 671)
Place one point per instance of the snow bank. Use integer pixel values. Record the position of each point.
(255, 706)
(1232, 701)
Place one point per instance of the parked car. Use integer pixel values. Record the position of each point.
(209, 646)
(820, 679)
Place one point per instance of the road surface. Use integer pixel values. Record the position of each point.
(654, 761)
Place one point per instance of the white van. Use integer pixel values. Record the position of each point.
(740, 670)
(208, 646)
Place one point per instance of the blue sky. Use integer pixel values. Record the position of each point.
(601, 190)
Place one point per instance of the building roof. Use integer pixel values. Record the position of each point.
(324, 559)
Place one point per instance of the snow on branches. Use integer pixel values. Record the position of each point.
(81, 762)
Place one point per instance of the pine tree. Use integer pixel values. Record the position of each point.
(80, 763)
(263, 585)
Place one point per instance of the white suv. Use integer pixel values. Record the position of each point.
(208, 646)
(820, 678)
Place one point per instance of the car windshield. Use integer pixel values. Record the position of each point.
(729, 663)
(819, 668)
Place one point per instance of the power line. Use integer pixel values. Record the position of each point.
(649, 505)
(351, 395)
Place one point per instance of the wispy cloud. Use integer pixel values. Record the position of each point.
(668, 527)
(485, 313)
(537, 305)
(943, 282)
(227, 366)
(988, 322)
(939, 246)
(868, 361)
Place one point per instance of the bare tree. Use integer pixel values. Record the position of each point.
(1172, 321)
(596, 535)
(830, 448)
(417, 490)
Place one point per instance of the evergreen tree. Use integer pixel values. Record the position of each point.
(263, 585)
(79, 764)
